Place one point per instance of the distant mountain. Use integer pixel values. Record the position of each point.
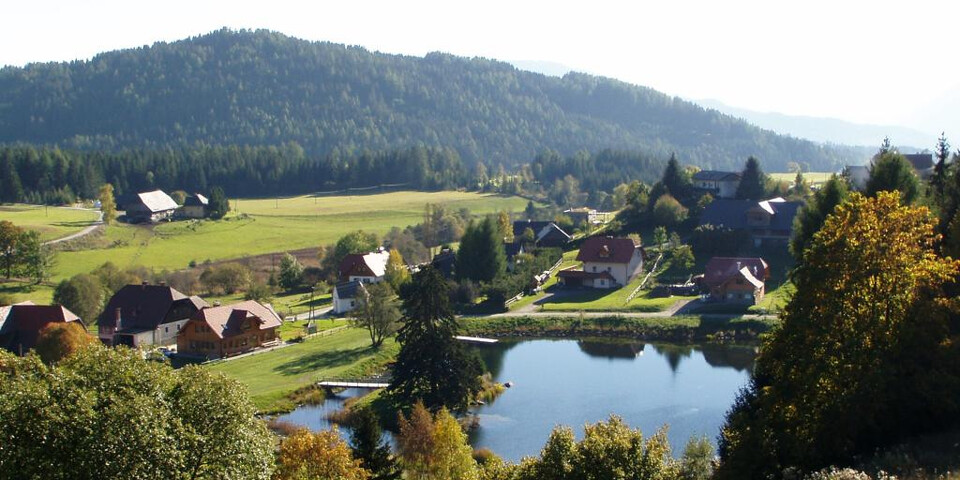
(828, 130)
(264, 88)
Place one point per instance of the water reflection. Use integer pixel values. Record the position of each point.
(611, 349)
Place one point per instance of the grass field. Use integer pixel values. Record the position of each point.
(51, 222)
(271, 376)
(813, 178)
(269, 225)
(285, 304)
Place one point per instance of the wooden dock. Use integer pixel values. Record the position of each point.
(339, 384)
(476, 339)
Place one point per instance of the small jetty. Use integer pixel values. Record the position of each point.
(343, 384)
(484, 341)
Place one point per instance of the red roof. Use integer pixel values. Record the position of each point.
(607, 250)
(721, 269)
(20, 324)
(226, 321)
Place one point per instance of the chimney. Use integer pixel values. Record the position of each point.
(163, 283)
(118, 324)
(216, 303)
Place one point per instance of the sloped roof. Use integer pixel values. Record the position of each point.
(715, 176)
(345, 290)
(920, 161)
(157, 201)
(731, 213)
(513, 249)
(607, 250)
(143, 306)
(20, 324)
(226, 320)
(196, 200)
(720, 269)
(745, 273)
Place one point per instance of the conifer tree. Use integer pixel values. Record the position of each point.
(752, 181)
(370, 448)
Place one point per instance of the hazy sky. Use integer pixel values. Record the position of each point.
(879, 62)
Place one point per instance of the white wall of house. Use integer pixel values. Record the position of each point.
(358, 278)
(621, 272)
(342, 305)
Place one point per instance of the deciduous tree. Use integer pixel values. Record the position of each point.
(108, 205)
(323, 455)
(218, 206)
(481, 255)
(435, 448)
(397, 274)
(378, 312)
(668, 211)
(291, 272)
(81, 294)
(851, 369)
(10, 236)
(812, 215)
(59, 340)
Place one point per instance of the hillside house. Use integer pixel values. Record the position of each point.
(719, 184)
(769, 222)
(736, 279)
(224, 331)
(146, 315)
(195, 206)
(149, 207)
(545, 234)
(21, 323)
(583, 216)
(345, 295)
(512, 250)
(607, 263)
(445, 262)
(364, 267)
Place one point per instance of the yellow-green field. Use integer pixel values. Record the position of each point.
(813, 178)
(51, 222)
(269, 225)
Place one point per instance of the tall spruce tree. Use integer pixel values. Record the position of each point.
(368, 446)
(811, 217)
(939, 178)
(432, 366)
(219, 205)
(752, 181)
(675, 179)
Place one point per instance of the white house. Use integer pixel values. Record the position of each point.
(719, 184)
(345, 295)
(607, 263)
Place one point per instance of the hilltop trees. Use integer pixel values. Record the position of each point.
(432, 366)
(851, 368)
(752, 181)
(891, 171)
(137, 418)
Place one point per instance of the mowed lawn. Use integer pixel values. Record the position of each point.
(271, 376)
(270, 225)
(51, 222)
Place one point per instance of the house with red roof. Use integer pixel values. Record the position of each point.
(736, 279)
(21, 323)
(364, 267)
(607, 263)
(223, 331)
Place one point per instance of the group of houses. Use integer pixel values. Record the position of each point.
(157, 206)
(154, 315)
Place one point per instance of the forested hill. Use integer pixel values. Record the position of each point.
(264, 88)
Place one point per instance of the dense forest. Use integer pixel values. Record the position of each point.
(260, 88)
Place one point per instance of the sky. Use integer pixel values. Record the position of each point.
(876, 62)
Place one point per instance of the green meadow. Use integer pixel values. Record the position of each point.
(51, 222)
(813, 178)
(259, 226)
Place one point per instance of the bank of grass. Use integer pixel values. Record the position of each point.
(685, 328)
(16, 292)
(51, 222)
(612, 300)
(775, 299)
(272, 376)
(261, 226)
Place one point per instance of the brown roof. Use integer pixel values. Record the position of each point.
(148, 306)
(225, 321)
(607, 250)
(720, 269)
(373, 264)
(20, 324)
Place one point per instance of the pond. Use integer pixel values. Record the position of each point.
(573, 382)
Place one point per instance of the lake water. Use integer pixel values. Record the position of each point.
(573, 382)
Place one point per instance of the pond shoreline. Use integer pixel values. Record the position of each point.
(680, 329)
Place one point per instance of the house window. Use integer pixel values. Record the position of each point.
(594, 268)
(166, 329)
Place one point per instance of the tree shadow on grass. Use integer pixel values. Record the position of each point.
(322, 360)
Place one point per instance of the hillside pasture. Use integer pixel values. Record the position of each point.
(259, 226)
(813, 178)
(51, 222)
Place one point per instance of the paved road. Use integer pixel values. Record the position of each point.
(86, 231)
(317, 313)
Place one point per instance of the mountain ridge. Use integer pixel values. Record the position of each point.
(264, 88)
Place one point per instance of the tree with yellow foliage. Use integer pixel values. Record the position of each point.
(324, 455)
(435, 447)
(865, 356)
